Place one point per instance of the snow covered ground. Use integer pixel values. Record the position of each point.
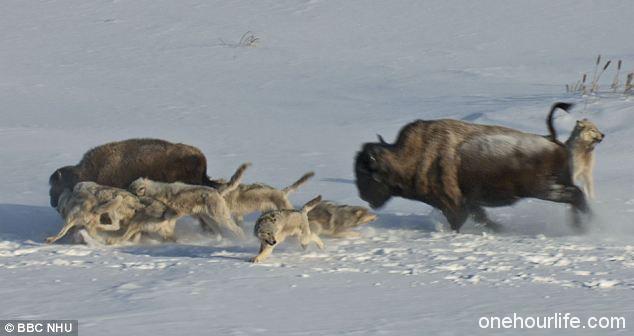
(324, 77)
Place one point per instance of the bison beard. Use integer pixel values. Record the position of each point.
(460, 167)
(117, 164)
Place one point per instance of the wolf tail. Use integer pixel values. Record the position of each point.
(293, 187)
(311, 204)
(235, 180)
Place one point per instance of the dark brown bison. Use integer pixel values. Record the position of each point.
(117, 164)
(460, 167)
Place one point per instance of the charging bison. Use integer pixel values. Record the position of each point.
(117, 164)
(460, 167)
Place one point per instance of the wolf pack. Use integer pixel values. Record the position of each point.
(125, 191)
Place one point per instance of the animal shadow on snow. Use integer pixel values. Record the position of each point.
(193, 242)
(423, 223)
(232, 252)
(337, 180)
(20, 222)
(528, 219)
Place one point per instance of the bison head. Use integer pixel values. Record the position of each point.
(371, 175)
(61, 179)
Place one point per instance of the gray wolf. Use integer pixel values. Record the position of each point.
(337, 220)
(205, 203)
(273, 227)
(581, 143)
(258, 197)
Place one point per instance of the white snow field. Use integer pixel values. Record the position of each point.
(323, 78)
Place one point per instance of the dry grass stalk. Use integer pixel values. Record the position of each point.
(596, 70)
(595, 84)
(579, 86)
(629, 83)
(582, 87)
(615, 82)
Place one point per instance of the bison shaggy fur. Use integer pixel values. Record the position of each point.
(117, 164)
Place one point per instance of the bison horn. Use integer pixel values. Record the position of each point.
(381, 140)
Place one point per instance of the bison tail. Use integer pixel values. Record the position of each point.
(235, 180)
(549, 121)
(293, 187)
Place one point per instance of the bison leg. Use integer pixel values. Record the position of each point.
(572, 195)
(456, 217)
(479, 215)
